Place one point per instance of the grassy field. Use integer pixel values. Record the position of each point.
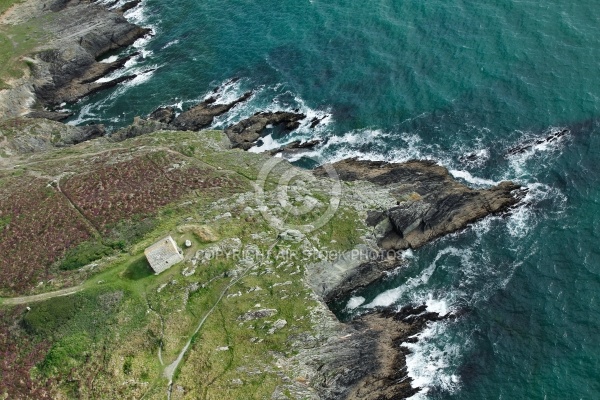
(107, 204)
(16, 41)
(115, 338)
(38, 226)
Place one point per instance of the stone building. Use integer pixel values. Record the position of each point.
(163, 254)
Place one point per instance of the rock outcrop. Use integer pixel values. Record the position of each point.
(166, 115)
(29, 135)
(363, 359)
(202, 115)
(67, 69)
(139, 127)
(430, 202)
(295, 147)
(364, 275)
(551, 137)
(245, 133)
(51, 115)
(129, 5)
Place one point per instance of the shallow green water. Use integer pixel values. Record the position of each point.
(434, 79)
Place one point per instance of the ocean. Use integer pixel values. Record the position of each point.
(441, 80)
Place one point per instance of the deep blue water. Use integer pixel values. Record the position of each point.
(431, 79)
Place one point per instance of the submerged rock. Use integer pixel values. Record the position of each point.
(553, 136)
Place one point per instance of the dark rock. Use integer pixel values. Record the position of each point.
(468, 157)
(84, 133)
(365, 360)
(202, 115)
(316, 121)
(166, 115)
(111, 3)
(366, 274)
(51, 115)
(75, 91)
(98, 70)
(228, 83)
(67, 71)
(553, 136)
(473, 159)
(409, 216)
(431, 203)
(390, 380)
(295, 147)
(375, 217)
(129, 5)
(58, 5)
(245, 133)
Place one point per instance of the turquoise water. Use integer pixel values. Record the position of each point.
(430, 79)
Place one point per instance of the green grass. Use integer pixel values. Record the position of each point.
(80, 333)
(138, 269)
(16, 41)
(126, 233)
(6, 4)
(112, 330)
(84, 254)
(66, 353)
(4, 221)
(47, 317)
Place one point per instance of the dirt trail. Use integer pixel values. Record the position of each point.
(13, 301)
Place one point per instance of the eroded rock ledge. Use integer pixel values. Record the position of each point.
(245, 133)
(66, 68)
(363, 359)
(430, 202)
(202, 115)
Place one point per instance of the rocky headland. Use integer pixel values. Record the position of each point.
(166, 159)
(65, 66)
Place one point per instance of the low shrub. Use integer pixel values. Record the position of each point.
(84, 254)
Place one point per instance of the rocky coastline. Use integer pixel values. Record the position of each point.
(66, 66)
(428, 202)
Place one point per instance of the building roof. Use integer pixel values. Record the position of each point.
(163, 254)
